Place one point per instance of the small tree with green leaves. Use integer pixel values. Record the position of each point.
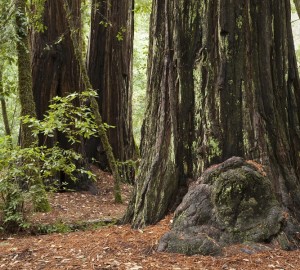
(18, 187)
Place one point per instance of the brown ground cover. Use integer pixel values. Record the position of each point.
(119, 247)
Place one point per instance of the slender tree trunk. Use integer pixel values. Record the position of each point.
(25, 85)
(4, 108)
(110, 71)
(27, 139)
(229, 69)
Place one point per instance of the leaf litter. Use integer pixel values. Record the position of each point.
(120, 247)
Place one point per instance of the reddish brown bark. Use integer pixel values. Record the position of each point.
(110, 72)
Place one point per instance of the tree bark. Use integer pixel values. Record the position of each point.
(158, 179)
(110, 72)
(94, 104)
(54, 72)
(24, 85)
(249, 98)
(27, 103)
(229, 69)
(4, 108)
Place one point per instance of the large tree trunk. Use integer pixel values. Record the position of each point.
(167, 130)
(94, 106)
(249, 91)
(229, 69)
(54, 68)
(110, 72)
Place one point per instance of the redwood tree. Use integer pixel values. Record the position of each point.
(55, 71)
(110, 72)
(223, 82)
(161, 143)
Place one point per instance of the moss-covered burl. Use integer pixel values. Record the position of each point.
(232, 202)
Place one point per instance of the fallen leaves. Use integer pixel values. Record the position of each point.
(120, 247)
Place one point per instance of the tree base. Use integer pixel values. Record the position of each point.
(232, 202)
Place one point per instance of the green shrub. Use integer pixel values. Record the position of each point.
(21, 167)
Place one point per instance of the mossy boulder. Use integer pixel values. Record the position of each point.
(232, 202)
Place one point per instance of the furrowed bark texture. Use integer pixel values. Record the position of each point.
(167, 129)
(54, 68)
(56, 72)
(94, 106)
(223, 82)
(110, 71)
(248, 91)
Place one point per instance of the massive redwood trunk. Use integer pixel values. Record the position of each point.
(110, 72)
(167, 132)
(223, 82)
(248, 91)
(55, 70)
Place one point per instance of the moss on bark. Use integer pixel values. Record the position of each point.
(94, 106)
(27, 139)
(231, 203)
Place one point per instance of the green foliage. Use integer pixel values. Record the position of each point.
(20, 167)
(62, 227)
(143, 6)
(120, 34)
(64, 116)
(8, 66)
(58, 227)
(35, 14)
(140, 54)
(293, 7)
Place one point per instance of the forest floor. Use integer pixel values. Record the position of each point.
(118, 247)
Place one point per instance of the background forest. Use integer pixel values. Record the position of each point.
(122, 112)
(74, 76)
(9, 63)
(141, 40)
(64, 121)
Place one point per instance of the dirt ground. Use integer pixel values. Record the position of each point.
(119, 247)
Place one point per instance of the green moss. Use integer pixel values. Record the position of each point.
(180, 220)
(214, 148)
(239, 22)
